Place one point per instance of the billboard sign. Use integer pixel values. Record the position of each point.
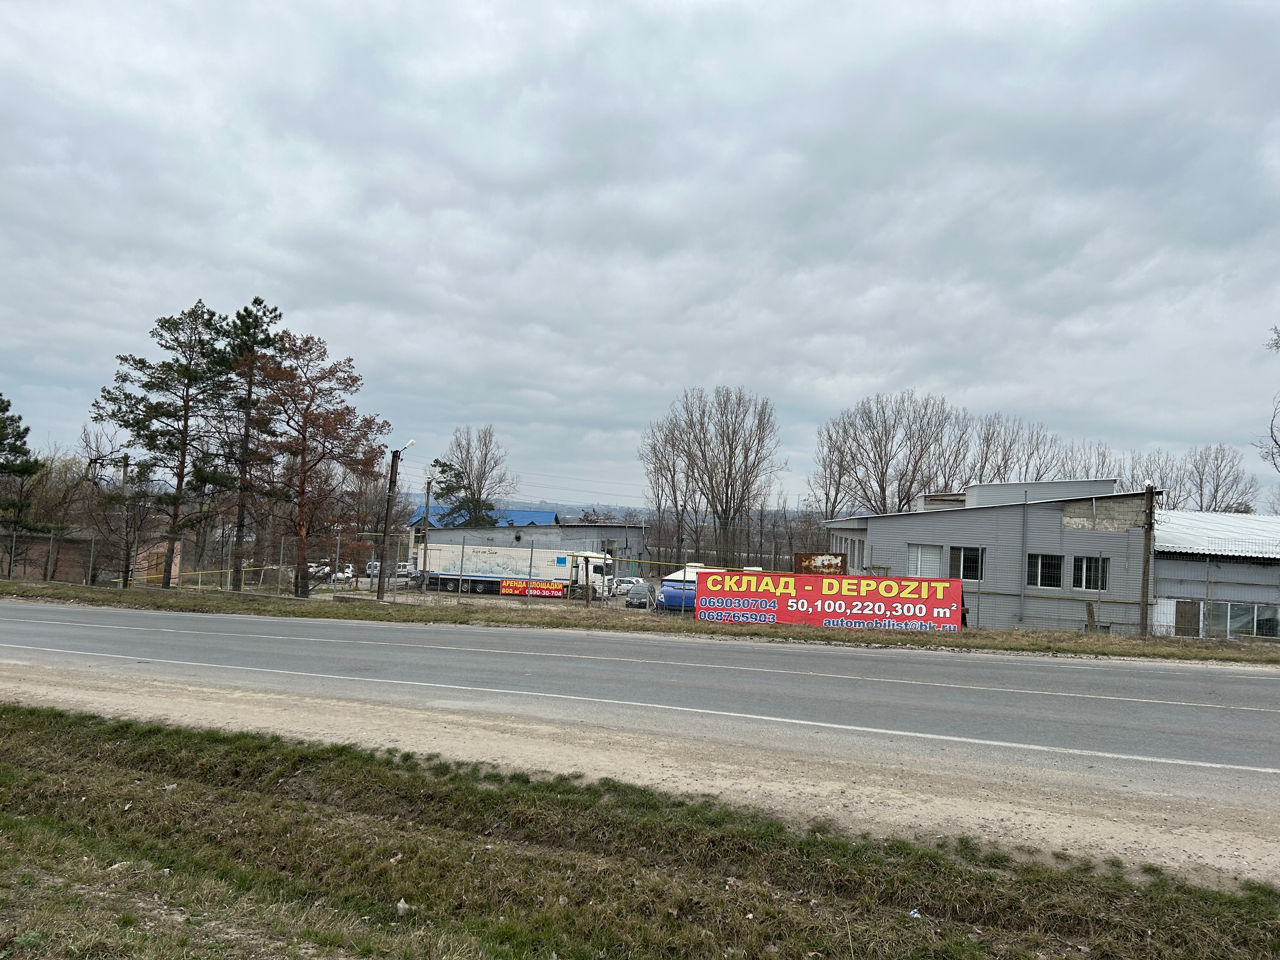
(829, 564)
(532, 588)
(844, 603)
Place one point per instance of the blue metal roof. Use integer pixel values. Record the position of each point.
(506, 518)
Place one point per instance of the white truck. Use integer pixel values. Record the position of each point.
(514, 571)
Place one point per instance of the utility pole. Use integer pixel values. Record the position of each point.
(124, 484)
(386, 518)
(1148, 534)
(426, 532)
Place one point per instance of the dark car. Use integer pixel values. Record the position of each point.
(642, 595)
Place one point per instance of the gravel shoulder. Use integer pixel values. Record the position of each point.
(1015, 807)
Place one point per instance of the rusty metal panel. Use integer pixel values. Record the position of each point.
(830, 564)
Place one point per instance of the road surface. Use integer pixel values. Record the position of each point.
(1173, 763)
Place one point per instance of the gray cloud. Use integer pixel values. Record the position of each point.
(555, 217)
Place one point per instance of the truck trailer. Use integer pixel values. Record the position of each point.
(514, 571)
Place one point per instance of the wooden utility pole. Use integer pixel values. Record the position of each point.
(1148, 539)
(124, 487)
(386, 518)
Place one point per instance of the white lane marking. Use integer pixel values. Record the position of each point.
(674, 663)
(701, 711)
(1028, 659)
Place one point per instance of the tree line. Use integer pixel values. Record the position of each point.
(234, 446)
(711, 465)
(240, 431)
(886, 450)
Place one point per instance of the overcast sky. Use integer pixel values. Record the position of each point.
(556, 217)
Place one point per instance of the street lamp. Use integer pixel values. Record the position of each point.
(386, 519)
(426, 530)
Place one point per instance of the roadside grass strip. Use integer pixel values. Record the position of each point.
(128, 839)
(449, 608)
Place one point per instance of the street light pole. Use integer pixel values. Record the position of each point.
(426, 532)
(386, 519)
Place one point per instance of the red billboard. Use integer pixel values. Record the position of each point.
(532, 588)
(845, 603)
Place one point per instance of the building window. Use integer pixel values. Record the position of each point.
(1268, 621)
(924, 560)
(1223, 619)
(1090, 573)
(1044, 570)
(968, 563)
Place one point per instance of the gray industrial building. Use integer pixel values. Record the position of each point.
(1050, 555)
(1076, 555)
(1217, 574)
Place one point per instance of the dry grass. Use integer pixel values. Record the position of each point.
(124, 839)
(415, 608)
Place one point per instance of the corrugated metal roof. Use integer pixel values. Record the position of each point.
(1218, 534)
(505, 518)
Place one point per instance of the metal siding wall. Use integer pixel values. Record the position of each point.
(999, 529)
(986, 495)
(1223, 579)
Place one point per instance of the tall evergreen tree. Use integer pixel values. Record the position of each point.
(466, 508)
(168, 407)
(249, 340)
(17, 469)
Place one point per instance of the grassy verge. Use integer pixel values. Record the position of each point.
(557, 614)
(125, 839)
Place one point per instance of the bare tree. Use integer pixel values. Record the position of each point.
(1218, 481)
(678, 504)
(473, 476)
(949, 458)
(121, 507)
(884, 451)
(729, 440)
(1164, 471)
(887, 449)
(829, 488)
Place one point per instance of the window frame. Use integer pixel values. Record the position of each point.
(1039, 578)
(963, 553)
(916, 548)
(1080, 578)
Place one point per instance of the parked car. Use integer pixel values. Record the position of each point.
(642, 595)
(622, 585)
(402, 569)
(678, 589)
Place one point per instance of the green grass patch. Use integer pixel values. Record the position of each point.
(129, 839)
(549, 613)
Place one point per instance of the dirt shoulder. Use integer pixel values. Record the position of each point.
(1207, 841)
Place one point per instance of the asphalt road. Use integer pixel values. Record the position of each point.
(1208, 731)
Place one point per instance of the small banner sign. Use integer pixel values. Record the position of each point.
(845, 603)
(532, 588)
(827, 564)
